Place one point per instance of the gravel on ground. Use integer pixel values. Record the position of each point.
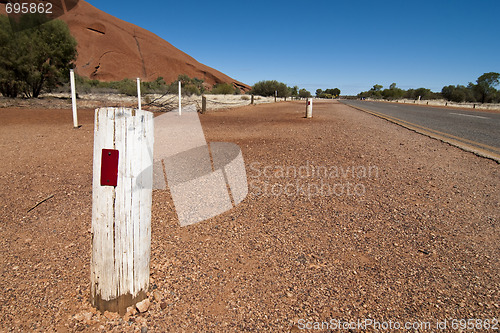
(348, 218)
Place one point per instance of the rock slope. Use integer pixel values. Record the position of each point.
(110, 49)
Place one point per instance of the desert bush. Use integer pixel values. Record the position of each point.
(158, 86)
(190, 89)
(127, 87)
(223, 89)
(189, 86)
(268, 88)
(34, 56)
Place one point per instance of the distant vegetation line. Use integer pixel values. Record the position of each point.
(189, 86)
(483, 91)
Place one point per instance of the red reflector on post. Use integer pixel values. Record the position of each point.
(109, 167)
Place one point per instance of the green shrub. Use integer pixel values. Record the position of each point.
(127, 87)
(269, 88)
(34, 56)
(223, 89)
(190, 89)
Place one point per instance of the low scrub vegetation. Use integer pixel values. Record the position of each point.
(483, 91)
(189, 86)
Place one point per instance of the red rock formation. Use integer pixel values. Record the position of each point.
(110, 49)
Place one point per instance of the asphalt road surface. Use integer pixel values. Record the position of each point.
(474, 131)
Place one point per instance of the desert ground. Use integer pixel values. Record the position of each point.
(377, 222)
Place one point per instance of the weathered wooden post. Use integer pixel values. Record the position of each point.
(139, 94)
(121, 209)
(251, 101)
(73, 97)
(309, 108)
(180, 98)
(203, 104)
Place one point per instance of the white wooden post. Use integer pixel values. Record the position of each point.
(139, 93)
(180, 106)
(121, 214)
(73, 97)
(309, 108)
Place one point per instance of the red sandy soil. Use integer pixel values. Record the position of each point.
(420, 243)
(110, 49)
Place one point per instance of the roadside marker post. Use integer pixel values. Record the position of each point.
(180, 106)
(139, 93)
(203, 104)
(73, 97)
(121, 208)
(309, 108)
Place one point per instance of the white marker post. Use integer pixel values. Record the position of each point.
(121, 208)
(139, 93)
(73, 97)
(180, 106)
(309, 108)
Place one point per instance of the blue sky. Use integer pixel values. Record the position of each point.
(351, 45)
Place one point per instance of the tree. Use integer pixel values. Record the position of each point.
(393, 92)
(328, 93)
(36, 58)
(268, 88)
(454, 93)
(424, 93)
(485, 87)
(304, 93)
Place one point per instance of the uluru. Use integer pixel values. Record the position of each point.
(110, 49)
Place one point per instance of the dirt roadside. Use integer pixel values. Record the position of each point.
(378, 222)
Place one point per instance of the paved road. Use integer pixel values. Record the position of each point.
(471, 130)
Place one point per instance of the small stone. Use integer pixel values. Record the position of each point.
(78, 317)
(144, 330)
(87, 316)
(157, 296)
(111, 315)
(163, 305)
(143, 306)
(131, 311)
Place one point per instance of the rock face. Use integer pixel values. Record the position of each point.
(110, 49)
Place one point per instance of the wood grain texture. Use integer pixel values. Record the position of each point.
(121, 215)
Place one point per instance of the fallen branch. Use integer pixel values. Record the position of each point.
(40, 202)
